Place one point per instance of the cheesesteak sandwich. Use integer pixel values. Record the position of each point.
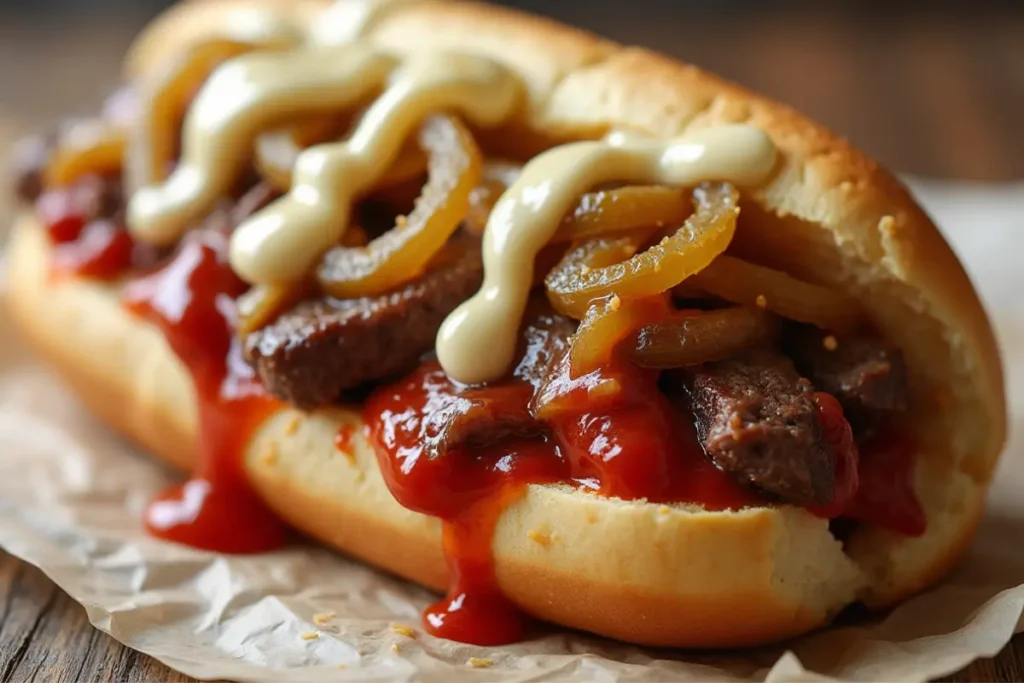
(569, 330)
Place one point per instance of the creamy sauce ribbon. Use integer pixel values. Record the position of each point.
(155, 132)
(477, 342)
(243, 98)
(254, 93)
(283, 241)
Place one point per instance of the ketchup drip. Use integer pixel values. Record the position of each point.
(191, 299)
(467, 488)
(86, 242)
(845, 455)
(103, 250)
(874, 482)
(639, 446)
(626, 439)
(886, 496)
(475, 610)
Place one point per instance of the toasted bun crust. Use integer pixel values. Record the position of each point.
(631, 570)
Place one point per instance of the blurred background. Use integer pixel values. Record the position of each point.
(933, 89)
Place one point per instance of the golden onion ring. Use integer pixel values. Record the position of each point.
(589, 271)
(404, 251)
(154, 141)
(86, 147)
(693, 337)
(584, 257)
(596, 213)
(410, 165)
(744, 283)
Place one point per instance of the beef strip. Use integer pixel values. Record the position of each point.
(486, 414)
(757, 420)
(479, 416)
(323, 347)
(867, 376)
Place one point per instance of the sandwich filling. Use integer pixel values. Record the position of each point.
(314, 221)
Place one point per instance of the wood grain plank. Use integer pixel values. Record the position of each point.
(28, 599)
(1006, 667)
(45, 636)
(54, 649)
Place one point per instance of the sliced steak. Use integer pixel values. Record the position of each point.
(487, 414)
(323, 347)
(867, 376)
(757, 419)
(545, 341)
(480, 416)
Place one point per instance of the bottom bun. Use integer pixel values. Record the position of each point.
(645, 573)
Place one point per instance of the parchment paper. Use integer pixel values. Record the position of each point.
(71, 495)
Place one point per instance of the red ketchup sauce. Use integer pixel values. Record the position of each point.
(874, 481)
(613, 432)
(845, 454)
(638, 445)
(84, 243)
(886, 496)
(191, 300)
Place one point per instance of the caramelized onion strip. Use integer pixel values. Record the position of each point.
(606, 326)
(582, 259)
(154, 141)
(86, 147)
(590, 271)
(694, 337)
(622, 210)
(404, 251)
(597, 213)
(651, 334)
(744, 283)
(262, 304)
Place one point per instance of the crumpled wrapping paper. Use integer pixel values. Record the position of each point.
(71, 495)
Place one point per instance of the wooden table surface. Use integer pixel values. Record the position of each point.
(934, 96)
